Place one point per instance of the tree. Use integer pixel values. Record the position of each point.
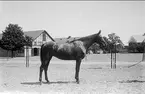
(136, 47)
(13, 38)
(109, 44)
(115, 40)
(140, 47)
(94, 48)
(28, 41)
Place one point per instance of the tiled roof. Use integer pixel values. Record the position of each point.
(33, 34)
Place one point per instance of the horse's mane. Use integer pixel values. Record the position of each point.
(83, 38)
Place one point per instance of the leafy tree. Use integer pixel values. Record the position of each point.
(140, 47)
(94, 48)
(28, 41)
(109, 44)
(115, 40)
(136, 47)
(13, 38)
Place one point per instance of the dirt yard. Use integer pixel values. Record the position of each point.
(95, 78)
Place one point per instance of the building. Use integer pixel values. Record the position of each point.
(135, 43)
(39, 37)
(136, 39)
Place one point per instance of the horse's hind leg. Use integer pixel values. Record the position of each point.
(46, 68)
(41, 70)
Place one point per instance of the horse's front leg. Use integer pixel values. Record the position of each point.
(78, 63)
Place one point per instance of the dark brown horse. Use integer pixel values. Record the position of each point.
(73, 50)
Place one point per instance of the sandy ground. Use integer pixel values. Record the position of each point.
(95, 78)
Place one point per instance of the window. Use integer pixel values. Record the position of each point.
(35, 43)
(44, 37)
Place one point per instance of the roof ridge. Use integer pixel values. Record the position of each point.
(138, 35)
(34, 30)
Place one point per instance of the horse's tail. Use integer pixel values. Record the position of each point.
(41, 53)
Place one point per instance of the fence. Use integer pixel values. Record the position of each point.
(123, 57)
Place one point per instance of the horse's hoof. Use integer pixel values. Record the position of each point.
(78, 82)
(40, 83)
(47, 81)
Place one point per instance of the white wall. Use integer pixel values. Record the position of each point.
(39, 40)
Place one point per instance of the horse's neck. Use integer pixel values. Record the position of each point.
(88, 41)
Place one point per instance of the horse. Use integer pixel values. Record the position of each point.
(73, 50)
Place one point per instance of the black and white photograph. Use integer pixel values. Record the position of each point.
(72, 47)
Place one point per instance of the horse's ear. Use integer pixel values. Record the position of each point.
(99, 32)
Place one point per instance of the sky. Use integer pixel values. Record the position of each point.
(76, 18)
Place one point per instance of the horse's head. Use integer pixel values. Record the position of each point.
(101, 41)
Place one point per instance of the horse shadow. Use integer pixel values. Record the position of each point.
(132, 81)
(57, 82)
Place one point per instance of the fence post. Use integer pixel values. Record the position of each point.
(143, 58)
(27, 56)
(113, 57)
